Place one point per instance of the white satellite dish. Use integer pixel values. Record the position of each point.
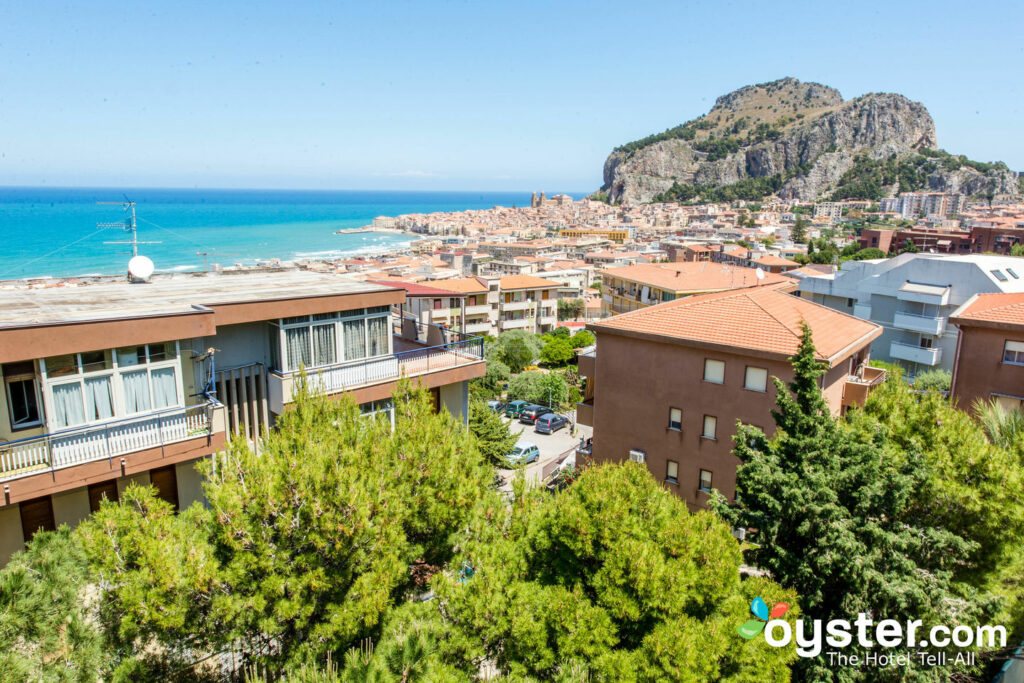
(140, 269)
(760, 273)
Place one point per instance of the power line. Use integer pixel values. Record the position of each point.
(58, 249)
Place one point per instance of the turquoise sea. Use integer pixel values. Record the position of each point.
(52, 231)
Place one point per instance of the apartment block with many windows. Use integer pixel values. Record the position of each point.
(668, 383)
(108, 383)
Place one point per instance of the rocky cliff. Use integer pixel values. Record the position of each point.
(797, 140)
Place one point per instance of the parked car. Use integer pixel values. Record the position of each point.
(512, 408)
(496, 406)
(530, 413)
(550, 423)
(524, 452)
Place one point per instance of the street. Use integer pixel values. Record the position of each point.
(550, 445)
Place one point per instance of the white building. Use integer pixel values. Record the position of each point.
(912, 296)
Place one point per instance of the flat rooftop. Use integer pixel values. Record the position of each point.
(75, 299)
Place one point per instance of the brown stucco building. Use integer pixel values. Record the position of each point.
(989, 362)
(668, 383)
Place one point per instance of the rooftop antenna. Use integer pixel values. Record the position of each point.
(140, 268)
(128, 225)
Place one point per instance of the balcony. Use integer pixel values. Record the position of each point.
(110, 439)
(515, 324)
(479, 327)
(857, 387)
(481, 309)
(915, 354)
(585, 413)
(444, 313)
(925, 324)
(415, 360)
(586, 364)
(517, 306)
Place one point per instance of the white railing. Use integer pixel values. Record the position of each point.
(929, 324)
(916, 354)
(96, 442)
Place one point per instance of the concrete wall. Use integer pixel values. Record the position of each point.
(454, 397)
(10, 533)
(71, 507)
(190, 484)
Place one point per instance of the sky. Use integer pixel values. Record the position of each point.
(474, 95)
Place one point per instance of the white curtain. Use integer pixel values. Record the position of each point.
(67, 405)
(323, 344)
(98, 403)
(165, 389)
(297, 341)
(355, 339)
(378, 336)
(126, 358)
(136, 391)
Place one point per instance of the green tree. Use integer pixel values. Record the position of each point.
(494, 439)
(582, 339)
(544, 388)
(869, 253)
(612, 579)
(557, 351)
(1004, 428)
(570, 309)
(305, 545)
(46, 630)
(934, 380)
(1017, 249)
(494, 379)
(799, 232)
(835, 520)
(560, 331)
(516, 354)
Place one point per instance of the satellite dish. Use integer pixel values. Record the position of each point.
(760, 273)
(140, 269)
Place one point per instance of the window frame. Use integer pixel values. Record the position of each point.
(668, 472)
(700, 481)
(675, 426)
(32, 379)
(746, 384)
(1019, 353)
(704, 428)
(338, 319)
(704, 377)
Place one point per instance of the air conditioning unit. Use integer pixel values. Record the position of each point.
(638, 456)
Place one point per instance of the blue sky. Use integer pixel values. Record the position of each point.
(455, 95)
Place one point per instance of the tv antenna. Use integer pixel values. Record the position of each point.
(204, 254)
(128, 225)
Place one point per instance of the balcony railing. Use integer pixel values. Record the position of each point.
(916, 354)
(100, 441)
(461, 349)
(927, 324)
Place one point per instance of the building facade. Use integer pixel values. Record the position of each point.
(668, 383)
(112, 383)
(990, 351)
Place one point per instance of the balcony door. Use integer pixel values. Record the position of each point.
(36, 515)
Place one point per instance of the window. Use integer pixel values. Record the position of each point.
(1013, 273)
(675, 419)
(1013, 352)
(437, 304)
(672, 472)
(329, 338)
(710, 427)
(22, 398)
(999, 275)
(849, 303)
(324, 344)
(705, 481)
(36, 515)
(756, 379)
(714, 371)
(638, 456)
(926, 342)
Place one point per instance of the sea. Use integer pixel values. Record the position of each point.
(49, 231)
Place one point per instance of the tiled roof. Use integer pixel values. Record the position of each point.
(415, 289)
(692, 276)
(1001, 308)
(526, 282)
(769, 260)
(762, 319)
(466, 285)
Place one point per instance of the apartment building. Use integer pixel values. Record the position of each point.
(667, 384)
(633, 287)
(912, 296)
(615, 234)
(479, 305)
(527, 303)
(989, 362)
(108, 383)
(914, 204)
(828, 211)
(430, 305)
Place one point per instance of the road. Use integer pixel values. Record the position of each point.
(551, 446)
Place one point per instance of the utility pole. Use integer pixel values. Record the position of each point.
(128, 225)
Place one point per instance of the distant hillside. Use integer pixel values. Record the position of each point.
(797, 140)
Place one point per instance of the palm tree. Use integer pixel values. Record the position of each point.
(1003, 427)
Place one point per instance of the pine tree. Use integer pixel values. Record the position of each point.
(494, 439)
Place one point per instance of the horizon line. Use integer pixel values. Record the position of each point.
(264, 189)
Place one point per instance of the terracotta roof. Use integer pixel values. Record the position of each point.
(466, 285)
(1002, 310)
(762, 319)
(769, 260)
(526, 282)
(692, 276)
(416, 289)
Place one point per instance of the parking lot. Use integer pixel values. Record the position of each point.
(550, 445)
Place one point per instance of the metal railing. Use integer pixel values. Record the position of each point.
(96, 442)
(460, 349)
